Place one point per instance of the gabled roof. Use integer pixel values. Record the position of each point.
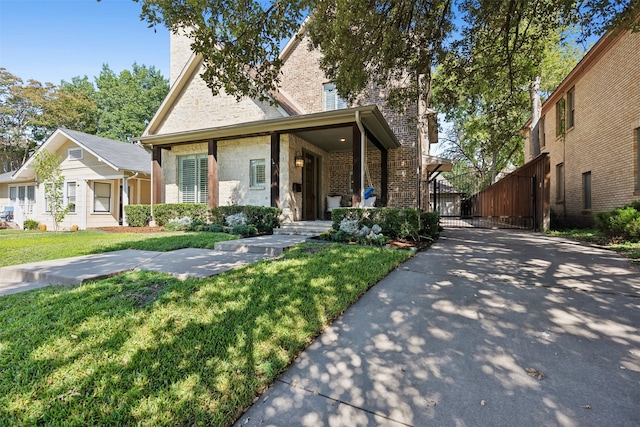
(6, 177)
(121, 156)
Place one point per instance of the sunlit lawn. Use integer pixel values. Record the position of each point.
(19, 247)
(630, 250)
(148, 349)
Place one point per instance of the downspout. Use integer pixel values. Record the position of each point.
(363, 140)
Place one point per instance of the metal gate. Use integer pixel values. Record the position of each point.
(519, 200)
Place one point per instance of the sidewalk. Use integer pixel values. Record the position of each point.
(486, 328)
(182, 263)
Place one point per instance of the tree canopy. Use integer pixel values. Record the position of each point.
(115, 106)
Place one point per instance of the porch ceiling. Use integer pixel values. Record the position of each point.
(323, 129)
(333, 139)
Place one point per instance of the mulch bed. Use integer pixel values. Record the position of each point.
(131, 229)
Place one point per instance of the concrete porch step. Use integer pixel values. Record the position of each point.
(272, 245)
(303, 228)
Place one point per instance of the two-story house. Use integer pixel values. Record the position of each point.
(221, 151)
(590, 127)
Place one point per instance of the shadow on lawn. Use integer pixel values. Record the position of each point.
(198, 354)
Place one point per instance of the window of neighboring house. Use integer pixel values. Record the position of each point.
(571, 107)
(101, 197)
(637, 135)
(257, 173)
(194, 178)
(71, 196)
(74, 153)
(560, 182)
(586, 190)
(331, 99)
(541, 136)
(560, 117)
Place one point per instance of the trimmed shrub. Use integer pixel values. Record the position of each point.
(621, 222)
(244, 230)
(263, 218)
(31, 224)
(138, 215)
(408, 224)
(198, 225)
(162, 213)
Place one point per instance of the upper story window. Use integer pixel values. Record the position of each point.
(541, 135)
(571, 107)
(331, 99)
(560, 117)
(74, 154)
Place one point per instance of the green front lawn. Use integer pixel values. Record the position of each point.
(630, 250)
(147, 349)
(20, 247)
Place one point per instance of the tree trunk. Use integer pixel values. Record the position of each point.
(536, 111)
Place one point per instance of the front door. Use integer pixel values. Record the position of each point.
(309, 186)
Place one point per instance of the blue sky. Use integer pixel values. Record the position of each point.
(54, 40)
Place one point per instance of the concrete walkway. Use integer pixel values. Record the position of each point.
(182, 263)
(486, 328)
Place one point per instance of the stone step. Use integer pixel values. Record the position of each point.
(303, 228)
(272, 245)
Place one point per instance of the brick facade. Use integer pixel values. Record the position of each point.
(193, 107)
(604, 138)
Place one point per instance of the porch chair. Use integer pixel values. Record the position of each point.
(7, 214)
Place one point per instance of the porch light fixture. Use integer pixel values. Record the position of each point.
(343, 139)
(299, 161)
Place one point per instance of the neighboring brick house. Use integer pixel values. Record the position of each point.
(590, 127)
(220, 151)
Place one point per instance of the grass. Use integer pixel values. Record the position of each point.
(147, 349)
(19, 247)
(630, 250)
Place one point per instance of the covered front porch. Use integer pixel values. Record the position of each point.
(292, 163)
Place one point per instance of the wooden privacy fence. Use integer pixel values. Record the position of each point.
(520, 199)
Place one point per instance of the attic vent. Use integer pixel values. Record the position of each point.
(75, 153)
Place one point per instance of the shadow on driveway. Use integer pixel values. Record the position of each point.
(486, 328)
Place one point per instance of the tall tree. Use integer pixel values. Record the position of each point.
(361, 41)
(20, 108)
(127, 102)
(72, 105)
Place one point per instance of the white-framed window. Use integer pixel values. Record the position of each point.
(331, 100)
(74, 154)
(13, 193)
(101, 197)
(586, 191)
(257, 173)
(71, 196)
(193, 176)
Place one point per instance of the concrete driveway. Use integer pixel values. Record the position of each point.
(486, 328)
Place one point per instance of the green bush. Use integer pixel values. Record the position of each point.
(621, 222)
(263, 218)
(199, 225)
(138, 215)
(244, 230)
(31, 224)
(164, 212)
(409, 224)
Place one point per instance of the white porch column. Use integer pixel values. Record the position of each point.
(84, 206)
(125, 199)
